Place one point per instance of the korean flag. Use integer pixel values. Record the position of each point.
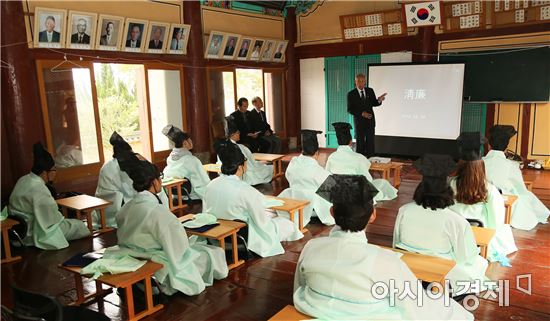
(423, 14)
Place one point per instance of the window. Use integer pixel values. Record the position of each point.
(84, 103)
(249, 84)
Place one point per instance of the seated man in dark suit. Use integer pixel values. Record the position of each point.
(241, 118)
(49, 35)
(269, 143)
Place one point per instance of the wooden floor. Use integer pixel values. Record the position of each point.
(261, 287)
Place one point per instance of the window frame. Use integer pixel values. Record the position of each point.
(92, 169)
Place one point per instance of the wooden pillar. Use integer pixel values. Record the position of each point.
(195, 80)
(426, 46)
(293, 117)
(21, 112)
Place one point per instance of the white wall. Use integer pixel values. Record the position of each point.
(391, 57)
(312, 96)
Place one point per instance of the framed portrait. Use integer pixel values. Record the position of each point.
(280, 50)
(134, 35)
(215, 44)
(244, 48)
(256, 49)
(157, 37)
(268, 50)
(49, 27)
(109, 32)
(230, 46)
(179, 35)
(81, 30)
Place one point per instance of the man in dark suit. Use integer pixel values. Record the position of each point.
(360, 102)
(49, 35)
(241, 118)
(108, 39)
(80, 36)
(156, 43)
(269, 143)
(134, 41)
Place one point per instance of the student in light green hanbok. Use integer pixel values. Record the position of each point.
(345, 161)
(147, 229)
(304, 176)
(33, 201)
(228, 197)
(478, 199)
(257, 172)
(337, 276)
(505, 174)
(428, 226)
(182, 164)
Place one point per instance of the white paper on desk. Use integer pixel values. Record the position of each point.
(272, 202)
(382, 160)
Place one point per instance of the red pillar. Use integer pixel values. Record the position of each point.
(425, 45)
(292, 77)
(195, 86)
(21, 113)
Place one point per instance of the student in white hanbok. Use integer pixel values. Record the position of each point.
(505, 174)
(182, 164)
(257, 172)
(304, 176)
(345, 161)
(428, 226)
(147, 229)
(229, 197)
(31, 200)
(475, 198)
(337, 276)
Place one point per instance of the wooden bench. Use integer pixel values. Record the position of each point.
(7, 224)
(509, 200)
(386, 169)
(276, 159)
(483, 237)
(291, 206)
(289, 313)
(177, 183)
(122, 280)
(86, 204)
(225, 229)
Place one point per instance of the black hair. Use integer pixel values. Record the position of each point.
(344, 138)
(352, 217)
(144, 175)
(434, 193)
(309, 150)
(180, 139)
(498, 143)
(241, 101)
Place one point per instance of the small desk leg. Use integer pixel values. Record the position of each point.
(222, 243)
(235, 252)
(386, 174)
(7, 248)
(64, 211)
(180, 200)
(89, 221)
(508, 215)
(129, 302)
(483, 251)
(102, 215)
(148, 293)
(397, 177)
(170, 205)
(301, 220)
(79, 289)
(291, 216)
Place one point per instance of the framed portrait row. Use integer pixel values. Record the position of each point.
(238, 47)
(59, 28)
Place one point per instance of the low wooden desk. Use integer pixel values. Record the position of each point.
(289, 313)
(177, 183)
(509, 200)
(386, 170)
(276, 159)
(291, 206)
(85, 204)
(483, 236)
(219, 233)
(7, 224)
(425, 267)
(122, 280)
(213, 168)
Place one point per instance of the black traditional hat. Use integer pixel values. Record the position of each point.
(42, 159)
(499, 136)
(469, 145)
(231, 126)
(119, 144)
(343, 134)
(435, 165)
(230, 155)
(310, 144)
(176, 135)
(347, 189)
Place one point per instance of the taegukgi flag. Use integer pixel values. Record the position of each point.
(423, 14)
